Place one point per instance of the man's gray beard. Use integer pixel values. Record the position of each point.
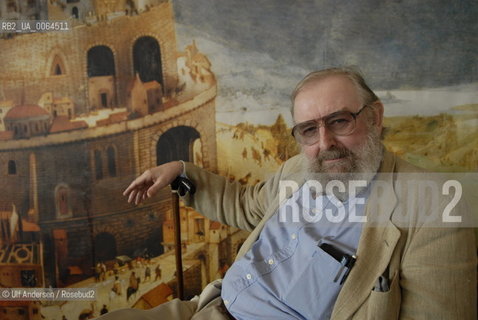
(363, 164)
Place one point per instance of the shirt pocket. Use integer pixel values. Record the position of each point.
(257, 265)
(312, 290)
(385, 305)
(280, 242)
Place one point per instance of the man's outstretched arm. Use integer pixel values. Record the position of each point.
(216, 198)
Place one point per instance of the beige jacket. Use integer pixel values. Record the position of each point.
(432, 269)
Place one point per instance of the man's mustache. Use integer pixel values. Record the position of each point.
(333, 153)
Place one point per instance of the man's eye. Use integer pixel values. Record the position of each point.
(308, 131)
(338, 122)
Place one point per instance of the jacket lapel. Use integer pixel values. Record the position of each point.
(377, 242)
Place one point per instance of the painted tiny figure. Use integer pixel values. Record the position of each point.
(147, 273)
(104, 310)
(157, 271)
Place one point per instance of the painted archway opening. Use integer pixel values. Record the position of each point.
(100, 62)
(101, 77)
(147, 60)
(177, 143)
(75, 13)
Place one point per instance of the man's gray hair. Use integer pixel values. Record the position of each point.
(367, 95)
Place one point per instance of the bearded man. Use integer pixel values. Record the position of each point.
(302, 262)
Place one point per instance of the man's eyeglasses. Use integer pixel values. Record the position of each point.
(341, 123)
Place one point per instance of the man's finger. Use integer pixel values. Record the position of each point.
(132, 195)
(138, 197)
(132, 186)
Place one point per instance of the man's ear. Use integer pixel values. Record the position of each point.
(378, 114)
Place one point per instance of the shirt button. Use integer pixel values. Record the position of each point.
(248, 276)
(293, 236)
(226, 302)
(271, 261)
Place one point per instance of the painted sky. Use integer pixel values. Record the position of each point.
(402, 43)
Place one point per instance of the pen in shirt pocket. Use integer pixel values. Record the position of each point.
(347, 261)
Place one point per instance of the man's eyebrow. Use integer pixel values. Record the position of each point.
(326, 116)
(336, 112)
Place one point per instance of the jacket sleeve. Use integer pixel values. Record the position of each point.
(228, 202)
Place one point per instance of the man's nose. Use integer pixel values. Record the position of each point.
(326, 138)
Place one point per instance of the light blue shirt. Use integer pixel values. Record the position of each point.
(285, 275)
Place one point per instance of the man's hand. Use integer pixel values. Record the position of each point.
(152, 180)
